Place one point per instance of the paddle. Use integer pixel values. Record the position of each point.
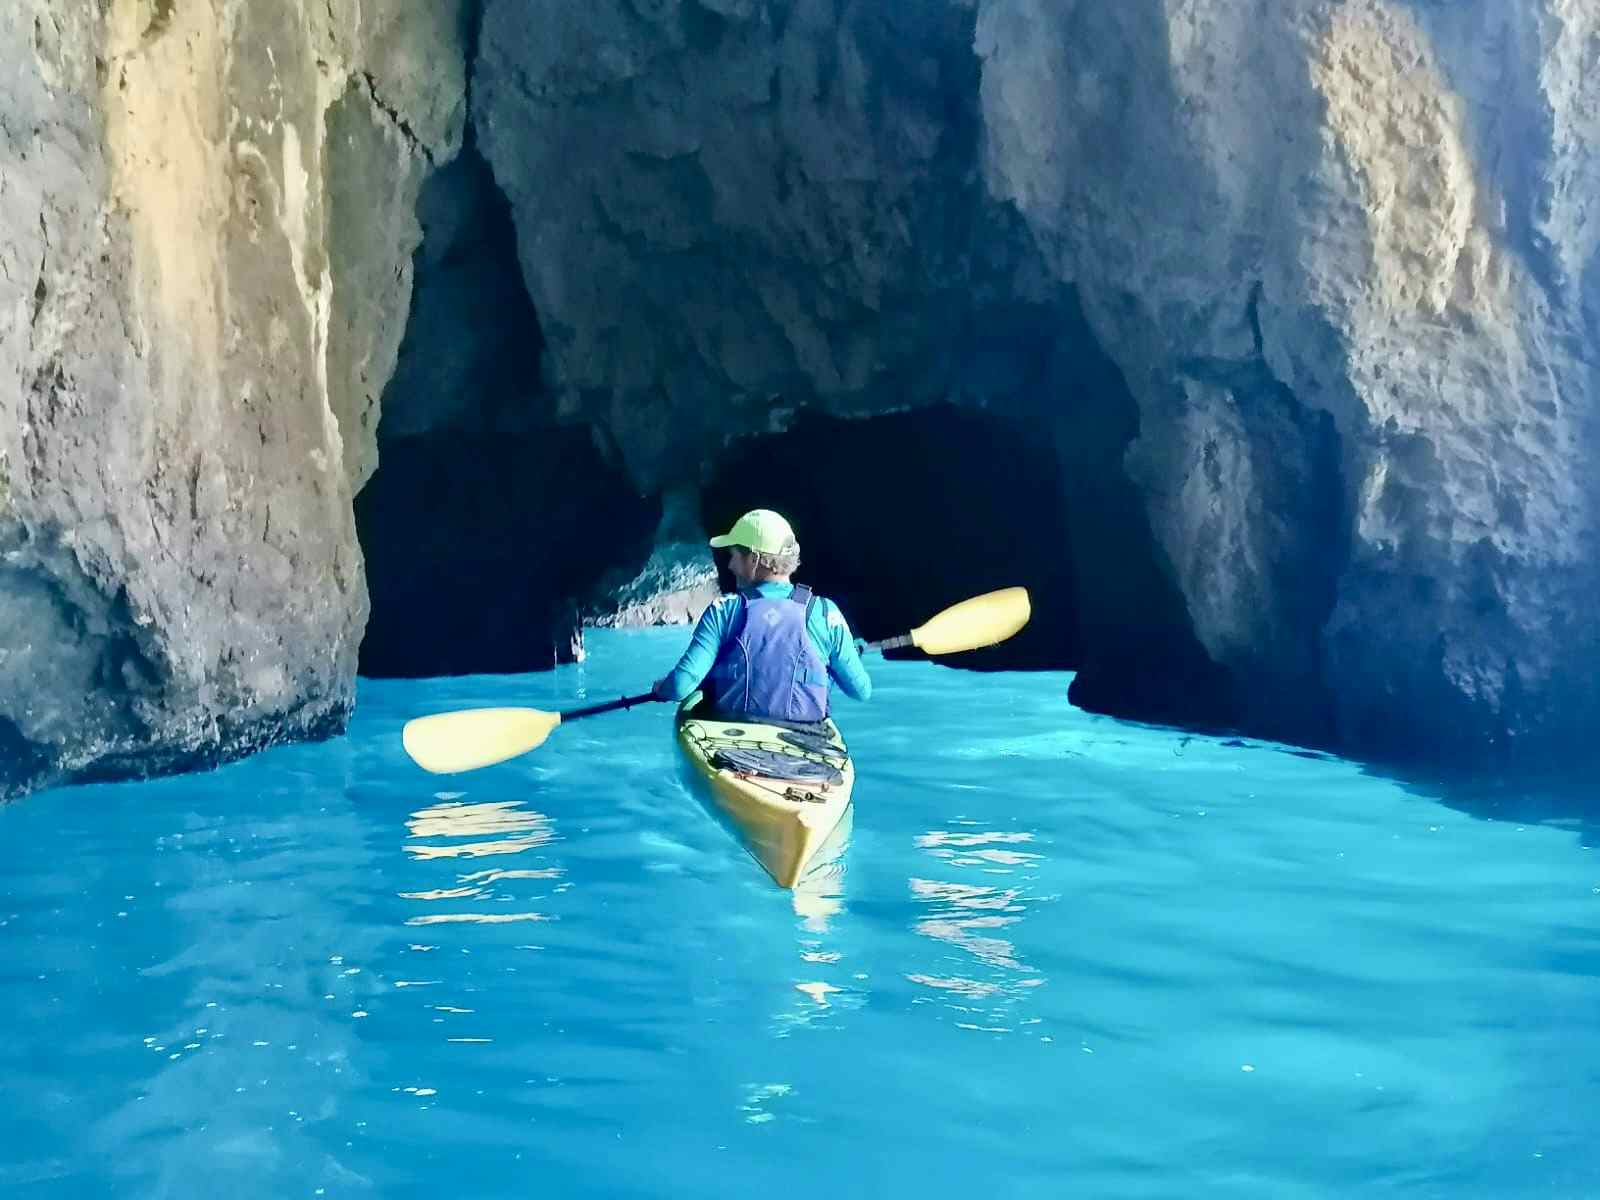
(971, 625)
(446, 743)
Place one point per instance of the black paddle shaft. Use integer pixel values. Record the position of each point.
(572, 714)
(894, 643)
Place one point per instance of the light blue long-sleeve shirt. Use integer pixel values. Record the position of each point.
(825, 623)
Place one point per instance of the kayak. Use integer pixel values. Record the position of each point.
(783, 787)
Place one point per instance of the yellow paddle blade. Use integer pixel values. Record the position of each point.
(981, 621)
(475, 737)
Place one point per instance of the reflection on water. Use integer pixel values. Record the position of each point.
(978, 849)
(970, 918)
(818, 991)
(494, 876)
(818, 896)
(476, 918)
(818, 899)
(981, 984)
(757, 1098)
(514, 830)
(443, 894)
(952, 920)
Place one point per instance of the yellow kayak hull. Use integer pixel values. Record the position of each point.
(783, 823)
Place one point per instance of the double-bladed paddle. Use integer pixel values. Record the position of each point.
(971, 625)
(449, 742)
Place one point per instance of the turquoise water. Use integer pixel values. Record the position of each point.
(1057, 955)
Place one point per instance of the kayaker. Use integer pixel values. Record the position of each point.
(768, 650)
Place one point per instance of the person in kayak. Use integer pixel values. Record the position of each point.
(768, 650)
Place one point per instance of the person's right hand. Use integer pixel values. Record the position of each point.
(662, 688)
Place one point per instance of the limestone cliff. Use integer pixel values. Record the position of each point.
(206, 219)
(1300, 298)
(1347, 258)
(1305, 293)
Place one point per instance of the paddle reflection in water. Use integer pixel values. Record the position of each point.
(969, 917)
(510, 829)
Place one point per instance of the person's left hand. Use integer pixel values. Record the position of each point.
(661, 689)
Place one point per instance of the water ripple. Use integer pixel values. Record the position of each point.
(1054, 954)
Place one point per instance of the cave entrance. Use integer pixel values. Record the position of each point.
(901, 515)
(480, 527)
(481, 548)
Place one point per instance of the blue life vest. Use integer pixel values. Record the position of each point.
(768, 666)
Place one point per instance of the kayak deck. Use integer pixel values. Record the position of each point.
(783, 822)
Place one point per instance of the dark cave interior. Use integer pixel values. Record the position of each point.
(899, 516)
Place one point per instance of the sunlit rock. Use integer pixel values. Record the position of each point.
(206, 218)
(1345, 256)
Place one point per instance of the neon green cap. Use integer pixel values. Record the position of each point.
(759, 529)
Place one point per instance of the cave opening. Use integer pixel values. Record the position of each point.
(488, 519)
(901, 515)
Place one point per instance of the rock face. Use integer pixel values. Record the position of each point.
(1350, 274)
(730, 211)
(206, 218)
(1303, 297)
(1339, 257)
(676, 584)
(489, 520)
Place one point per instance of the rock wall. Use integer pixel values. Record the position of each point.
(206, 218)
(731, 213)
(1345, 254)
(1341, 256)
(1304, 295)
(728, 211)
(677, 582)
